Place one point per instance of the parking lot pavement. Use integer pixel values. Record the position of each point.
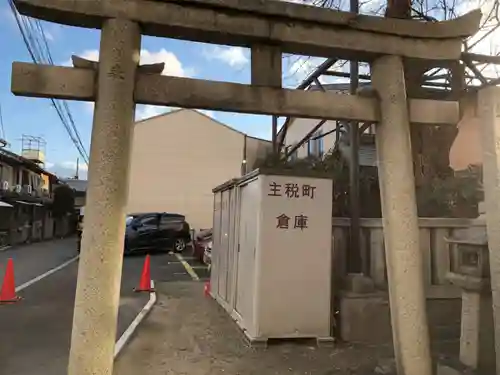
(200, 269)
(208, 342)
(168, 267)
(35, 259)
(35, 333)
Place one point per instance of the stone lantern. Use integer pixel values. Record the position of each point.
(471, 272)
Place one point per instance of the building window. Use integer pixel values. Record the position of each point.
(293, 155)
(320, 143)
(316, 145)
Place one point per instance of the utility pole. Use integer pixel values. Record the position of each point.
(77, 168)
(355, 257)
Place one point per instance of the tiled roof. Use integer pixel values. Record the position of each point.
(11, 157)
(78, 185)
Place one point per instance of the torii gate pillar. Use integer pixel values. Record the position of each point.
(399, 213)
(100, 268)
(489, 119)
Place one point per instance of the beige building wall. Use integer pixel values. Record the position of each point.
(255, 148)
(298, 129)
(179, 157)
(466, 150)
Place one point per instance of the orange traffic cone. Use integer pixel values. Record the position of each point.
(145, 282)
(206, 289)
(8, 292)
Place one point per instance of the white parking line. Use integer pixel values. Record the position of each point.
(44, 275)
(188, 268)
(125, 337)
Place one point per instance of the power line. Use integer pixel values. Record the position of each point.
(35, 40)
(1, 123)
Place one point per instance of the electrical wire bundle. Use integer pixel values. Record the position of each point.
(35, 39)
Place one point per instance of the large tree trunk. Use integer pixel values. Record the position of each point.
(398, 9)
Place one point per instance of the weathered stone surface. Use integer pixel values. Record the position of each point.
(365, 319)
(489, 114)
(386, 367)
(59, 83)
(81, 63)
(235, 27)
(399, 210)
(452, 366)
(359, 283)
(100, 265)
(79, 84)
(463, 26)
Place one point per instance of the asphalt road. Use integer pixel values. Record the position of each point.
(35, 332)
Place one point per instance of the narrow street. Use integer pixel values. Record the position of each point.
(35, 332)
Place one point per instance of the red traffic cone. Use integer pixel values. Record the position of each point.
(145, 282)
(8, 292)
(206, 289)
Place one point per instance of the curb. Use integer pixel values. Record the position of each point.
(127, 335)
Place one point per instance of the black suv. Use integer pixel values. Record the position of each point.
(156, 231)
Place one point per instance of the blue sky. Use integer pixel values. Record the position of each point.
(37, 117)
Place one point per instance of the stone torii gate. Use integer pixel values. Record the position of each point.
(269, 28)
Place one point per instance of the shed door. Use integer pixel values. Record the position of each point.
(246, 252)
(216, 231)
(233, 246)
(224, 245)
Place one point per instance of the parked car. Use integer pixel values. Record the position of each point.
(79, 231)
(156, 231)
(202, 238)
(207, 255)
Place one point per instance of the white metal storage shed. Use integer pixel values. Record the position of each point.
(271, 255)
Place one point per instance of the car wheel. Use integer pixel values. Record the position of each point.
(179, 245)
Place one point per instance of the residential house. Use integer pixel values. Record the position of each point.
(430, 144)
(80, 189)
(179, 157)
(430, 147)
(326, 137)
(26, 194)
(467, 149)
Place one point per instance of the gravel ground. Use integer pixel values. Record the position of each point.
(188, 333)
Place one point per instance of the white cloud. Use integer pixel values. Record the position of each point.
(67, 169)
(207, 112)
(235, 57)
(173, 67)
(49, 36)
(89, 106)
(146, 111)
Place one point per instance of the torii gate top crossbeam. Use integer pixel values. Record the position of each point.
(295, 28)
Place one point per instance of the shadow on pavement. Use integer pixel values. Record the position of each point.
(188, 333)
(35, 333)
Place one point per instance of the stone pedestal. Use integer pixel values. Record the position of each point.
(477, 346)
